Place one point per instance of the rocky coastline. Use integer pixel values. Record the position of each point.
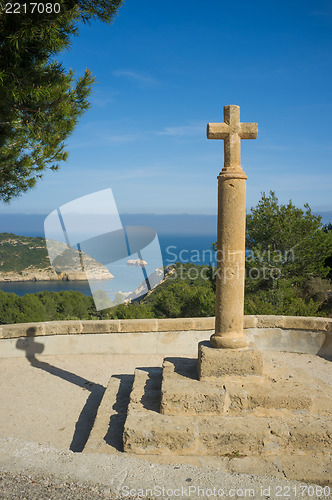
(51, 275)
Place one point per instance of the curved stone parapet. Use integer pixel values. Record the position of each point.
(74, 327)
(309, 335)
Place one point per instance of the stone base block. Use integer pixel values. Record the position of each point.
(148, 432)
(217, 436)
(315, 469)
(183, 394)
(214, 362)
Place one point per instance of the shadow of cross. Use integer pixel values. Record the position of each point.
(88, 414)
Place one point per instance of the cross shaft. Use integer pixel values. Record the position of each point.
(231, 231)
(231, 132)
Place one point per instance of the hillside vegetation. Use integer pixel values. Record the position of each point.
(25, 258)
(177, 296)
(18, 253)
(288, 272)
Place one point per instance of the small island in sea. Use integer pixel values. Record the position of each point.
(25, 258)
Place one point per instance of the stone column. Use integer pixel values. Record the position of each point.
(230, 261)
(231, 231)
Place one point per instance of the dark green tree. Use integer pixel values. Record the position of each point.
(285, 242)
(182, 300)
(288, 260)
(40, 103)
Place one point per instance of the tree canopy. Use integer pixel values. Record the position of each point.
(288, 258)
(40, 103)
(286, 242)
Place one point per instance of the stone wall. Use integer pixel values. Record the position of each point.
(159, 325)
(178, 336)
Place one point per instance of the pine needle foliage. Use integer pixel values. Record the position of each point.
(40, 102)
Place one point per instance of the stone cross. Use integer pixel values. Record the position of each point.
(232, 131)
(231, 231)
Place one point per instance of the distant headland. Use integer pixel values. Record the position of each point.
(24, 258)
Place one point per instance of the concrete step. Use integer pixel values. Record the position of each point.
(148, 432)
(269, 395)
(106, 433)
(107, 436)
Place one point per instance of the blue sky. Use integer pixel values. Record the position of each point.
(165, 69)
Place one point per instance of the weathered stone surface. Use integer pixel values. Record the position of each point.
(310, 434)
(220, 362)
(102, 326)
(256, 328)
(276, 395)
(316, 468)
(232, 131)
(178, 324)
(265, 440)
(63, 327)
(21, 330)
(230, 262)
(183, 394)
(250, 321)
(138, 325)
(223, 436)
(305, 323)
(106, 433)
(254, 465)
(231, 230)
(149, 432)
(322, 402)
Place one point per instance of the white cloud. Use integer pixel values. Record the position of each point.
(134, 75)
(102, 99)
(184, 130)
(98, 137)
(122, 138)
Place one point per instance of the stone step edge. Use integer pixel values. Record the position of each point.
(104, 435)
(282, 398)
(224, 436)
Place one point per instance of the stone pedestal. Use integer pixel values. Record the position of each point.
(223, 362)
(271, 418)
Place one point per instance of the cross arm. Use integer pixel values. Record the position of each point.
(217, 130)
(248, 130)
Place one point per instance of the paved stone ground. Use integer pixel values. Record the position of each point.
(19, 486)
(38, 472)
(47, 407)
(53, 399)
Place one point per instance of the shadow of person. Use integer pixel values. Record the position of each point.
(88, 414)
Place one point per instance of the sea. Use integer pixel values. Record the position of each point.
(189, 248)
